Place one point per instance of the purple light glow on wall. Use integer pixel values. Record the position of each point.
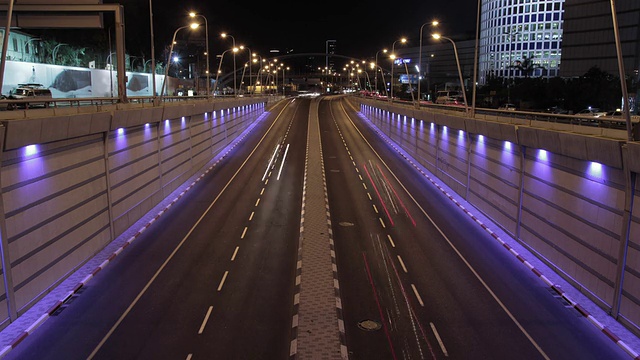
(542, 155)
(507, 146)
(595, 169)
(460, 134)
(30, 150)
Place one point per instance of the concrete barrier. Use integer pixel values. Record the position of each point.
(74, 180)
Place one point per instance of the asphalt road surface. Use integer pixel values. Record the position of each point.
(214, 277)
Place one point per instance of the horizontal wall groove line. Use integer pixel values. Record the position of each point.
(571, 236)
(61, 257)
(567, 255)
(135, 191)
(45, 153)
(136, 175)
(55, 195)
(53, 218)
(8, 188)
(133, 162)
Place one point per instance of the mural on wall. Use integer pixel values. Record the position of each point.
(74, 82)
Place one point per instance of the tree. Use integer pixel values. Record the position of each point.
(527, 66)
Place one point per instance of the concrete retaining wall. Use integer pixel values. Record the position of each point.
(73, 180)
(561, 192)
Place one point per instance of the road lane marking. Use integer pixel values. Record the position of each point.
(224, 277)
(404, 268)
(244, 232)
(435, 332)
(184, 239)
(257, 202)
(282, 163)
(455, 249)
(391, 240)
(189, 356)
(233, 257)
(204, 321)
(382, 223)
(415, 291)
(251, 216)
(262, 191)
(270, 161)
(375, 208)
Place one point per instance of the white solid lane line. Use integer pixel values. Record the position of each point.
(283, 160)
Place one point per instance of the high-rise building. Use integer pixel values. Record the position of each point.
(520, 38)
(589, 38)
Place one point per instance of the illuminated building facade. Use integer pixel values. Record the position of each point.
(520, 38)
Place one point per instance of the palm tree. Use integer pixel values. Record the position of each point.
(527, 66)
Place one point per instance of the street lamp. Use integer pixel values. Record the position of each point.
(220, 65)
(206, 39)
(26, 45)
(376, 69)
(166, 70)
(433, 23)
(224, 35)
(53, 53)
(393, 57)
(153, 55)
(455, 51)
(242, 47)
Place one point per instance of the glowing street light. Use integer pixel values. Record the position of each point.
(224, 35)
(433, 23)
(166, 70)
(455, 51)
(206, 39)
(393, 57)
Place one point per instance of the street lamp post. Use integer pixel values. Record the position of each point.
(224, 35)
(242, 47)
(166, 70)
(455, 51)
(393, 57)
(376, 69)
(53, 53)
(153, 53)
(433, 23)
(220, 65)
(26, 45)
(206, 39)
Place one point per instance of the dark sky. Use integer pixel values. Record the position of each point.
(360, 28)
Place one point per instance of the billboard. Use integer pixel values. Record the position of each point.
(68, 15)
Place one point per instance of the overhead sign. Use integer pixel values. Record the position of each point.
(400, 61)
(68, 16)
(411, 79)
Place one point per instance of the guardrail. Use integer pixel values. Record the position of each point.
(38, 103)
(610, 122)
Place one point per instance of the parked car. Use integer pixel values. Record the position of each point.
(447, 97)
(38, 92)
(508, 107)
(590, 112)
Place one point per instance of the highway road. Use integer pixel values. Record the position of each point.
(214, 277)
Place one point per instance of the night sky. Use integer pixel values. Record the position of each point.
(360, 28)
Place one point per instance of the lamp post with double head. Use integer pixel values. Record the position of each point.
(393, 60)
(455, 51)
(206, 40)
